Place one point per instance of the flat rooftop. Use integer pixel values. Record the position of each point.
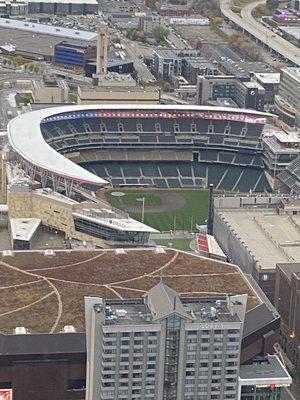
(44, 29)
(24, 228)
(294, 72)
(34, 42)
(290, 269)
(264, 370)
(268, 77)
(44, 292)
(271, 238)
(198, 309)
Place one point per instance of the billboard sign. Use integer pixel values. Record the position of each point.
(6, 394)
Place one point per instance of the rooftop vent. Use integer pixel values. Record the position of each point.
(120, 251)
(49, 253)
(20, 330)
(121, 312)
(69, 329)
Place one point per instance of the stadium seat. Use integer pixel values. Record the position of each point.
(215, 173)
(248, 179)
(131, 169)
(244, 159)
(236, 127)
(187, 182)
(149, 170)
(199, 169)
(168, 169)
(215, 139)
(226, 157)
(173, 183)
(263, 184)
(113, 169)
(254, 130)
(161, 183)
(184, 169)
(230, 178)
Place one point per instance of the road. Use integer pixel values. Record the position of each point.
(134, 51)
(176, 41)
(248, 23)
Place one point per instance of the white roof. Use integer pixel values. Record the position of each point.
(47, 29)
(268, 77)
(25, 135)
(24, 228)
(120, 224)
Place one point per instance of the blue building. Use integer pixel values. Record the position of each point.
(73, 55)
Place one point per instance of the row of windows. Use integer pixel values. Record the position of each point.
(128, 334)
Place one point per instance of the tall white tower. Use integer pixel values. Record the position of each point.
(102, 44)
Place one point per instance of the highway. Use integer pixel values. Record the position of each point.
(248, 23)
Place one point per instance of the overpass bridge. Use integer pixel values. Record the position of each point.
(261, 33)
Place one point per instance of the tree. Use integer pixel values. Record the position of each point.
(217, 21)
(160, 34)
(167, 86)
(272, 4)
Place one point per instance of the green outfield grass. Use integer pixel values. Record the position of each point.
(130, 198)
(193, 212)
(180, 244)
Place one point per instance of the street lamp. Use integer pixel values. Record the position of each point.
(142, 199)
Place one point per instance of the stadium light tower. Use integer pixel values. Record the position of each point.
(210, 220)
(102, 44)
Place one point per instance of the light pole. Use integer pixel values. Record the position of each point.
(142, 199)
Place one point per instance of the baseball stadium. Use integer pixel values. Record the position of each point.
(163, 155)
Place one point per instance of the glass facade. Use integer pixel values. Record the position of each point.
(253, 392)
(171, 357)
(111, 234)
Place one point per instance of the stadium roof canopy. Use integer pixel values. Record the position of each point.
(26, 138)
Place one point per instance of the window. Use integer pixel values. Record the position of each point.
(173, 322)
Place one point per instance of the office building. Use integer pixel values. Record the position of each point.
(287, 101)
(167, 63)
(270, 82)
(148, 23)
(118, 95)
(14, 8)
(250, 95)
(76, 7)
(295, 5)
(73, 55)
(164, 346)
(194, 66)
(263, 378)
(287, 302)
(50, 90)
(246, 94)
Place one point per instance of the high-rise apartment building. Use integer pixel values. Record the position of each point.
(164, 347)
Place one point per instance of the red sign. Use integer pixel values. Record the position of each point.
(6, 394)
